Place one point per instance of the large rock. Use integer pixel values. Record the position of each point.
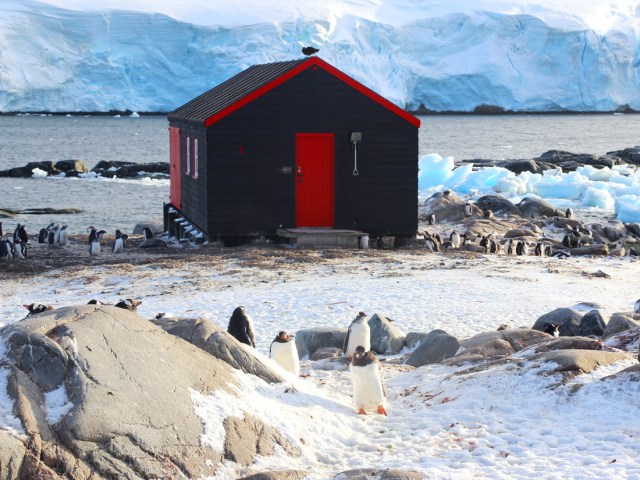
(435, 347)
(567, 318)
(592, 324)
(446, 206)
(378, 474)
(386, 339)
(70, 168)
(620, 322)
(311, 339)
(573, 362)
(413, 338)
(209, 337)
(127, 385)
(536, 207)
(124, 169)
(499, 344)
(12, 455)
(278, 475)
(615, 230)
(497, 204)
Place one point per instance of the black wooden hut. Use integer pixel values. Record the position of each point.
(289, 145)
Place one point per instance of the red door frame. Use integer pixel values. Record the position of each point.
(175, 172)
(314, 177)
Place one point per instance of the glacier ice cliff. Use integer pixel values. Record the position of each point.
(52, 59)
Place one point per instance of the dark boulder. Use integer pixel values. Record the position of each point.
(621, 321)
(496, 204)
(122, 169)
(592, 324)
(386, 339)
(519, 166)
(536, 207)
(311, 339)
(567, 318)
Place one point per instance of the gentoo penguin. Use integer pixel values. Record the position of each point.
(94, 246)
(508, 247)
(63, 235)
(129, 304)
(569, 213)
(241, 327)
(636, 307)
(283, 350)
(308, 51)
(540, 250)
(369, 390)
(522, 248)
(455, 239)
(149, 241)
(5, 249)
(43, 235)
(120, 242)
(20, 249)
(358, 333)
(467, 209)
(52, 234)
(432, 244)
(93, 301)
(20, 234)
(552, 329)
(431, 218)
(35, 308)
(92, 234)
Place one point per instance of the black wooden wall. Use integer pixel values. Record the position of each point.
(250, 181)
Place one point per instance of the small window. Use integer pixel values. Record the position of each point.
(188, 156)
(195, 158)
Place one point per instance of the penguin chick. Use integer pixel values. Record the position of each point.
(358, 333)
(241, 327)
(369, 390)
(283, 350)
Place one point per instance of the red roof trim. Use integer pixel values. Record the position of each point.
(315, 62)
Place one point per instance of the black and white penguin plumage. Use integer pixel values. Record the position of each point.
(284, 352)
(522, 248)
(241, 327)
(432, 244)
(63, 235)
(552, 329)
(540, 250)
(93, 301)
(43, 234)
(468, 209)
(560, 254)
(20, 249)
(94, 246)
(52, 234)
(568, 213)
(5, 249)
(369, 390)
(148, 234)
(431, 218)
(508, 247)
(120, 242)
(455, 239)
(358, 333)
(128, 304)
(92, 234)
(35, 308)
(20, 234)
(149, 241)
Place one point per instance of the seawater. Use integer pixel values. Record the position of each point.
(119, 203)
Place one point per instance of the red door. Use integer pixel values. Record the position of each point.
(175, 173)
(314, 180)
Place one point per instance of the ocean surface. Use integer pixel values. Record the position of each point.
(119, 203)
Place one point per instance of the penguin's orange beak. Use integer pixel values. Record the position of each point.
(26, 306)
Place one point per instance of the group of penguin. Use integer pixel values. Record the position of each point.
(14, 246)
(127, 304)
(488, 243)
(369, 390)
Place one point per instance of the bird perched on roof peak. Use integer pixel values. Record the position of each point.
(308, 51)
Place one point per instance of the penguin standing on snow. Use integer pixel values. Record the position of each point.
(94, 246)
(120, 242)
(283, 350)
(369, 390)
(241, 327)
(358, 333)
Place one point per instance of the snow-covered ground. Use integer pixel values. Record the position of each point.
(500, 424)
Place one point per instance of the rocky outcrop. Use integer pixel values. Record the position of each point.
(70, 168)
(537, 207)
(212, 339)
(567, 318)
(278, 475)
(621, 321)
(446, 206)
(574, 362)
(123, 390)
(310, 340)
(496, 345)
(497, 204)
(435, 347)
(386, 339)
(378, 474)
(592, 324)
(123, 169)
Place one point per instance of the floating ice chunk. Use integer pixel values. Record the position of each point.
(627, 208)
(38, 173)
(571, 185)
(597, 197)
(595, 174)
(484, 180)
(135, 115)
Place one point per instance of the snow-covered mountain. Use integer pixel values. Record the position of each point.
(444, 56)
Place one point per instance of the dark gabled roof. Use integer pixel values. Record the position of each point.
(257, 80)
